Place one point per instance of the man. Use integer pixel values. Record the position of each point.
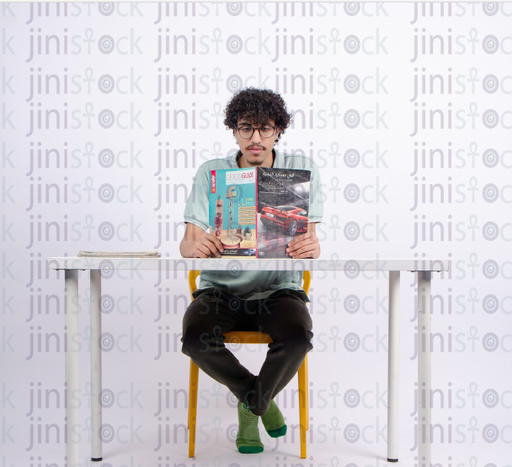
(270, 301)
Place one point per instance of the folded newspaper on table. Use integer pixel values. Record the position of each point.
(114, 254)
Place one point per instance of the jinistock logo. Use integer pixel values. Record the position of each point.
(39, 10)
(276, 43)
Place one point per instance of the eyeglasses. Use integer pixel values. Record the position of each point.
(247, 131)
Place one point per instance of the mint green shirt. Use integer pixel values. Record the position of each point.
(250, 285)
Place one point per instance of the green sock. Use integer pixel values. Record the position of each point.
(248, 437)
(274, 421)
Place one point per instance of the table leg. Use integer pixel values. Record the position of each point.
(393, 328)
(96, 414)
(71, 364)
(424, 425)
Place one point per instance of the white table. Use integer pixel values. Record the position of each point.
(423, 268)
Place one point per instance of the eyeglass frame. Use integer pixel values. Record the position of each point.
(254, 129)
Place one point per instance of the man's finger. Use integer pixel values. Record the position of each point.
(304, 249)
(212, 247)
(300, 237)
(215, 240)
(217, 243)
(304, 237)
(201, 250)
(301, 244)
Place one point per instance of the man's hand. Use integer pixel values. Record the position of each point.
(207, 246)
(198, 244)
(305, 245)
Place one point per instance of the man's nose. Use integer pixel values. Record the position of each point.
(256, 137)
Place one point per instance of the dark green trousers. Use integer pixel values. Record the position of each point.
(283, 315)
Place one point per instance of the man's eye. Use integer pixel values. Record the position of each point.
(246, 129)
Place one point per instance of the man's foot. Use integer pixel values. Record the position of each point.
(274, 421)
(248, 437)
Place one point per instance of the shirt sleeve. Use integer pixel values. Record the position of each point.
(316, 199)
(197, 207)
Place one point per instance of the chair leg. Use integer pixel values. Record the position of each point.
(192, 407)
(303, 408)
(306, 384)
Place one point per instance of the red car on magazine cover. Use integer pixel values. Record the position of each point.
(290, 218)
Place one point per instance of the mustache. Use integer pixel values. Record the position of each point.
(255, 146)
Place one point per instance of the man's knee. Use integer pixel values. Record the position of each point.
(197, 340)
(191, 341)
(303, 342)
(298, 340)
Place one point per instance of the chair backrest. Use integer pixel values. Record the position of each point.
(192, 276)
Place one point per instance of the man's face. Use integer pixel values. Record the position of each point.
(256, 151)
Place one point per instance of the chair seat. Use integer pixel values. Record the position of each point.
(247, 337)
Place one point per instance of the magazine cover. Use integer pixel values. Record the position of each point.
(283, 206)
(257, 211)
(232, 210)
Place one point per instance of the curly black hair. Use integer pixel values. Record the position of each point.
(257, 106)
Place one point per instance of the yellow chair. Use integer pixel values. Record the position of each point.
(248, 337)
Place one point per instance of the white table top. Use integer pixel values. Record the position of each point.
(249, 264)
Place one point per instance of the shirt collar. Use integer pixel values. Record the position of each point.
(278, 160)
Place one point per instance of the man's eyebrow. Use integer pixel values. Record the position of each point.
(267, 123)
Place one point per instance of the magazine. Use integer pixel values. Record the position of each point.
(255, 212)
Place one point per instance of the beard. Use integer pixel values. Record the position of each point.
(252, 160)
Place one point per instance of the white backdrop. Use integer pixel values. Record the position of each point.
(107, 111)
